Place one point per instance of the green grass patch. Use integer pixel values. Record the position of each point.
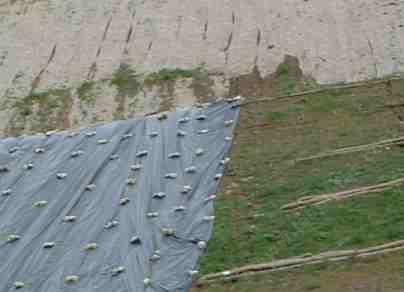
(251, 228)
(126, 80)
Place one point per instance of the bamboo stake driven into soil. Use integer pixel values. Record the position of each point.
(324, 89)
(352, 149)
(295, 262)
(324, 198)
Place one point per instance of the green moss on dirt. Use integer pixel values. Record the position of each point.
(40, 111)
(85, 92)
(287, 79)
(128, 84)
(167, 74)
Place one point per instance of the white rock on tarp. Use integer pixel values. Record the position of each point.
(39, 150)
(228, 138)
(69, 218)
(4, 168)
(19, 285)
(40, 204)
(76, 153)
(127, 136)
(171, 175)
(142, 153)
(202, 244)
(162, 117)
(181, 133)
(50, 133)
(135, 240)
(72, 279)
(90, 134)
(114, 157)
(233, 99)
(174, 155)
(184, 120)
(136, 167)
(228, 123)
(186, 189)
(152, 214)
(218, 176)
(179, 208)
(124, 201)
(153, 134)
(155, 257)
(6, 192)
(203, 131)
(208, 218)
(61, 175)
(131, 181)
(191, 169)
(201, 117)
(199, 151)
(48, 245)
(159, 195)
(102, 141)
(29, 166)
(91, 246)
(147, 282)
(168, 231)
(13, 149)
(118, 270)
(224, 161)
(193, 273)
(111, 224)
(210, 198)
(12, 238)
(90, 187)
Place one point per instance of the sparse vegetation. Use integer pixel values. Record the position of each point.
(84, 92)
(42, 111)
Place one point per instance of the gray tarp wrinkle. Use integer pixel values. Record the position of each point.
(125, 206)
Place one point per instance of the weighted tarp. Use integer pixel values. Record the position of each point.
(125, 206)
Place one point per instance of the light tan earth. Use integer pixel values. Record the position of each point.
(53, 44)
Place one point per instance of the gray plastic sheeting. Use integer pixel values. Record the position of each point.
(125, 206)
